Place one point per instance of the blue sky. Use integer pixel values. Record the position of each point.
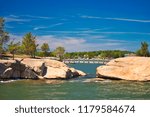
(80, 25)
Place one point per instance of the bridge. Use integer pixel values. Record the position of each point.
(85, 61)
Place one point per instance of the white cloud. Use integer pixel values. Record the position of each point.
(24, 18)
(37, 17)
(86, 32)
(13, 19)
(118, 19)
(38, 28)
(130, 20)
(72, 44)
(44, 27)
(77, 44)
(54, 25)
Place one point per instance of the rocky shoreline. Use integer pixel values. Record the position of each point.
(36, 69)
(127, 68)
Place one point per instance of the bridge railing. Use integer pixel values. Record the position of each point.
(92, 61)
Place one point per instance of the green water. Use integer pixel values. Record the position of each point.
(78, 88)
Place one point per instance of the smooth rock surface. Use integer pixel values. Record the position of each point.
(36, 64)
(127, 68)
(55, 73)
(36, 69)
(81, 73)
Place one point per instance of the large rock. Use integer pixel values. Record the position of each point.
(36, 64)
(55, 73)
(14, 69)
(53, 63)
(81, 73)
(9, 69)
(4, 64)
(29, 74)
(36, 68)
(128, 68)
(57, 69)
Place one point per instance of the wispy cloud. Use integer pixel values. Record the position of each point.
(37, 17)
(97, 32)
(130, 20)
(79, 43)
(13, 19)
(117, 19)
(58, 24)
(44, 27)
(39, 27)
(24, 18)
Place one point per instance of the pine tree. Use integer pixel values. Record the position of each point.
(4, 37)
(29, 44)
(45, 48)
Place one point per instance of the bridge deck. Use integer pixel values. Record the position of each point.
(85, 61)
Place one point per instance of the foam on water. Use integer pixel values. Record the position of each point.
(8, 81)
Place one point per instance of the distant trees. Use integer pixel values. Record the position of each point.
(143, 51)
(4, 37)
(45, 48)
(13, 47)
(102, 54)
(29, 45)
(59, 52)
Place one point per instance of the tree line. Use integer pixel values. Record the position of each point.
(102, 54)
(29, 46)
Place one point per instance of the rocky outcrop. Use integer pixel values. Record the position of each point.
(128, 68)
(15, 69)
(81, 73)
(56, 73)
(36, 68)
(36, 64)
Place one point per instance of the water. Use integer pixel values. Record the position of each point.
(78, 88)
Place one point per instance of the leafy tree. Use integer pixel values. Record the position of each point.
(13, 47)
(143, 51)
(59, 52)
(103, 55)
(45, 48)
(138, 52)
(29, 44)
(4, 37)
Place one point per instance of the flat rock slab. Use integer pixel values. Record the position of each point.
(127, 68)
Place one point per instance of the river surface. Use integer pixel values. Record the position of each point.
(75, 89)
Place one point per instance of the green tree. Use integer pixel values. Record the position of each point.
(45, 48)
(13, 47)
(59, 52)
(103, 55)
(143, 51)
(4, 37)
(29, 44)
